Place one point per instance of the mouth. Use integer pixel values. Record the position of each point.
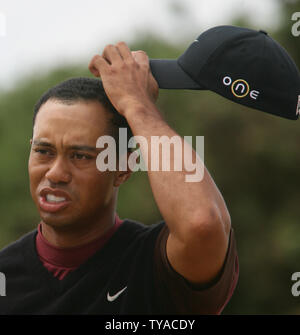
(53, 200)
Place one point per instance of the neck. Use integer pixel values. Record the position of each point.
(79, 234)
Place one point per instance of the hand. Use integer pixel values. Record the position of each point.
(126, 77)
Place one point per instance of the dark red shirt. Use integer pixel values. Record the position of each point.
(61, 261)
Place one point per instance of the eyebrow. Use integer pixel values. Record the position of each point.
(79, 147)
(42, 143)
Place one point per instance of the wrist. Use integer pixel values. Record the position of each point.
(141, 111)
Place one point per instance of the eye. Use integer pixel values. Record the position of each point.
(43, 152)
(80, 156)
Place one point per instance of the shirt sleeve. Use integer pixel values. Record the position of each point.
(176, 295)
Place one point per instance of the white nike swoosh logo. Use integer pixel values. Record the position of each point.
(114, 297)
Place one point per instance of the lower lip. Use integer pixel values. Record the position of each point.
(52, 207)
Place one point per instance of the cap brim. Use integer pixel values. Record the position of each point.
(169, 75)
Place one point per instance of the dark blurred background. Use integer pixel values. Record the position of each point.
(253, 157)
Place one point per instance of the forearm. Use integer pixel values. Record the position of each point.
(195, 212)
(185, 206)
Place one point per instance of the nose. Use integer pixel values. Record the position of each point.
(59, 172)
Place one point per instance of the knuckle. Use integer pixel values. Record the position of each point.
(112, 70)
(123, 66)
(131, 62)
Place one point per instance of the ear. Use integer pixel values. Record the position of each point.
(30, 141)
(123, 176)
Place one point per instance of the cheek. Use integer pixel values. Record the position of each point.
(36, 173)
(97, 188)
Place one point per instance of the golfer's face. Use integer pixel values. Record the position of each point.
(65, 184)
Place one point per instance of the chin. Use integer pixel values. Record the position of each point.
(57, 221)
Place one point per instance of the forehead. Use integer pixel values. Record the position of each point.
(80, 120)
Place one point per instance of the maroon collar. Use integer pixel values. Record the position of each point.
(71, 257)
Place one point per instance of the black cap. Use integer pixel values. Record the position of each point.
(241, 64)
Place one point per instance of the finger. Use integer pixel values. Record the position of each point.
(111, 54)
(97, 65)
(124, 51)
(141, 57)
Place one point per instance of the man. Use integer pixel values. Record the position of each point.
(83, 259)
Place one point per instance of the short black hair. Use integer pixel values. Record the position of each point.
(86, 89)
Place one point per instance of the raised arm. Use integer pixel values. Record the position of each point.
(195, 212)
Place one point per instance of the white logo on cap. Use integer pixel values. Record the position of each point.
(240, 88)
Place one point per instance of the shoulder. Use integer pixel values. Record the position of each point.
(139, 230)
(135, 239)
(14, 250)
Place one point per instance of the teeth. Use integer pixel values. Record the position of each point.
(53, 198)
